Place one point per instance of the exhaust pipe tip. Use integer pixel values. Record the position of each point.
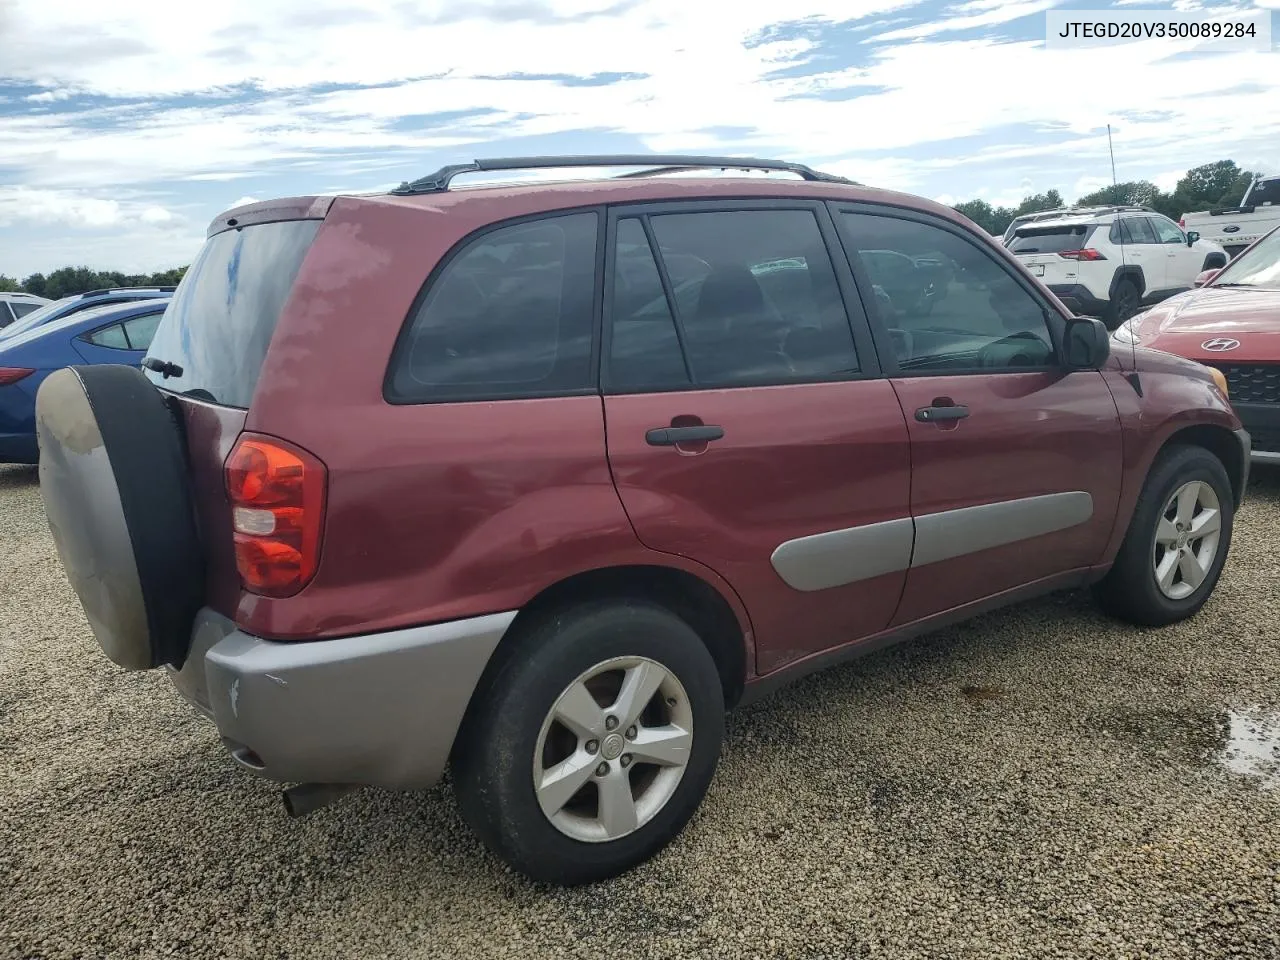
(306, 798)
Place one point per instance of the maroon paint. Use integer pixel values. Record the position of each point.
(438, 511)
(794, 461)
(1027, 435)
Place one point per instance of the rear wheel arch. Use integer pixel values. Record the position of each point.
(1133, 274)
(689, 597)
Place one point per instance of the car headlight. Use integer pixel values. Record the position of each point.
(1220, 379)
(1127, 332)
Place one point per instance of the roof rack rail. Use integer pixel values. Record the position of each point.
(655, 164)
(149, 286)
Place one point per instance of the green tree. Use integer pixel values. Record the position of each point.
(8, 284)
(1138, 192)
(1210, 186)
(1051, 200)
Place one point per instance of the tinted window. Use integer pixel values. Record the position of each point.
(21, 308)
(1263, 193)
(756, 301)
(142, 329)
(112, 336)
(1049, 239)
(1166, 231)
(510, 315)
(6, 316)
(222, 316)
(1132, 230)
(955, 307)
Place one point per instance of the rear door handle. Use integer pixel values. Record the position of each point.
(670, 436)
(938, 414)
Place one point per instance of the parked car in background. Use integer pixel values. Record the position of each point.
(107, 333)
(1109, 264)
(15, 306)
(1231, 322)
(598, 459)
(81, 301)
(1235, 228)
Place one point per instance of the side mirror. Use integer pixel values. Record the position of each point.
(1192, 237)
(1205, 276)
(1086, 344)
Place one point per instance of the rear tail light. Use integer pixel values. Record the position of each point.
(1182, 221)
(277, 494)
(1088, 253)
(10, 375)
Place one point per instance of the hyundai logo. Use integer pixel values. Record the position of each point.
(1231, 229)
(1220, 344)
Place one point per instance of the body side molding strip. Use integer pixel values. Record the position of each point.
(837, 558)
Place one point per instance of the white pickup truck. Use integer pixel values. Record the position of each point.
(1236, 227)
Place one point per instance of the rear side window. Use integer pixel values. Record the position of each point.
(220, 322)
(510, 315)
(21, 309)
(750, 297)
(1263, 193)
(1050, 239)
(112, 336)
(1132, 230)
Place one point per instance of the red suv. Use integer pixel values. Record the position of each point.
(533, 481)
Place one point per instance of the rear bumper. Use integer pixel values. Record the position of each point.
(1079, 298)
(379, 709)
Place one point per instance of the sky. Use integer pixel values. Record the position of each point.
(124, 130)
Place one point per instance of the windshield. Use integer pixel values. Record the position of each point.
(1259, 266)
(35, 318)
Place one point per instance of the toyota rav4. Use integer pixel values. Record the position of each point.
(534, 481)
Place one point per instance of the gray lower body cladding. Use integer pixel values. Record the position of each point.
(378, 709)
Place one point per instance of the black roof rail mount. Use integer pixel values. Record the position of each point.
(654, 163)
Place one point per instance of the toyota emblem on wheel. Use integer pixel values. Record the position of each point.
(1220, 344)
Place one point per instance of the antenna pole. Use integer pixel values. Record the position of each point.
(1111, 149)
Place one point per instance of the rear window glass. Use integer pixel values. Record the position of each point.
(511, 315)
(1049, 239)
(1264, 193)
(225, 310)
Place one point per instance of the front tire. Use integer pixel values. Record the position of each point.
(1177, 542)
(593, 743)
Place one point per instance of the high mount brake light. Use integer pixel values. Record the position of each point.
(277, 494)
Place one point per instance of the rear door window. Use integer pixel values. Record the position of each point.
(112, 336)
(749, 297)
(510, 315)
(220, 322)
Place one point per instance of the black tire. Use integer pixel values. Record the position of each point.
(493, 760)
(113, 477)
(1130, 591)
(1124, 303)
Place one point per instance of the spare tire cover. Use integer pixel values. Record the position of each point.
(113, 477)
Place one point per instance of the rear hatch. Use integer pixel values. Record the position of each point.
(1054, 251)
(211, 345)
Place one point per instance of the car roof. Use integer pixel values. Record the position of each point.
(88, 318)
(511, 199)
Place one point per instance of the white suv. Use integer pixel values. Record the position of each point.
(1109, 262)
(14, 306)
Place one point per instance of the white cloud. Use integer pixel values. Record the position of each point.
(241, 202)
(155, 215)
(698, 76)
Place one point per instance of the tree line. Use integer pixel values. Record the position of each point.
(1207, 187)
(70, 281)
(1210, 186)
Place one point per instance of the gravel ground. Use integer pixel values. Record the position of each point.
(1038, 783)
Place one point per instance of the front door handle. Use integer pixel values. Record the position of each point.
(942, 414)
(671, 436)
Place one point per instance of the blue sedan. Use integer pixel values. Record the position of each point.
(111, 333)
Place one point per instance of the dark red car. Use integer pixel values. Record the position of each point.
(536, 480)
(1231, 322)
